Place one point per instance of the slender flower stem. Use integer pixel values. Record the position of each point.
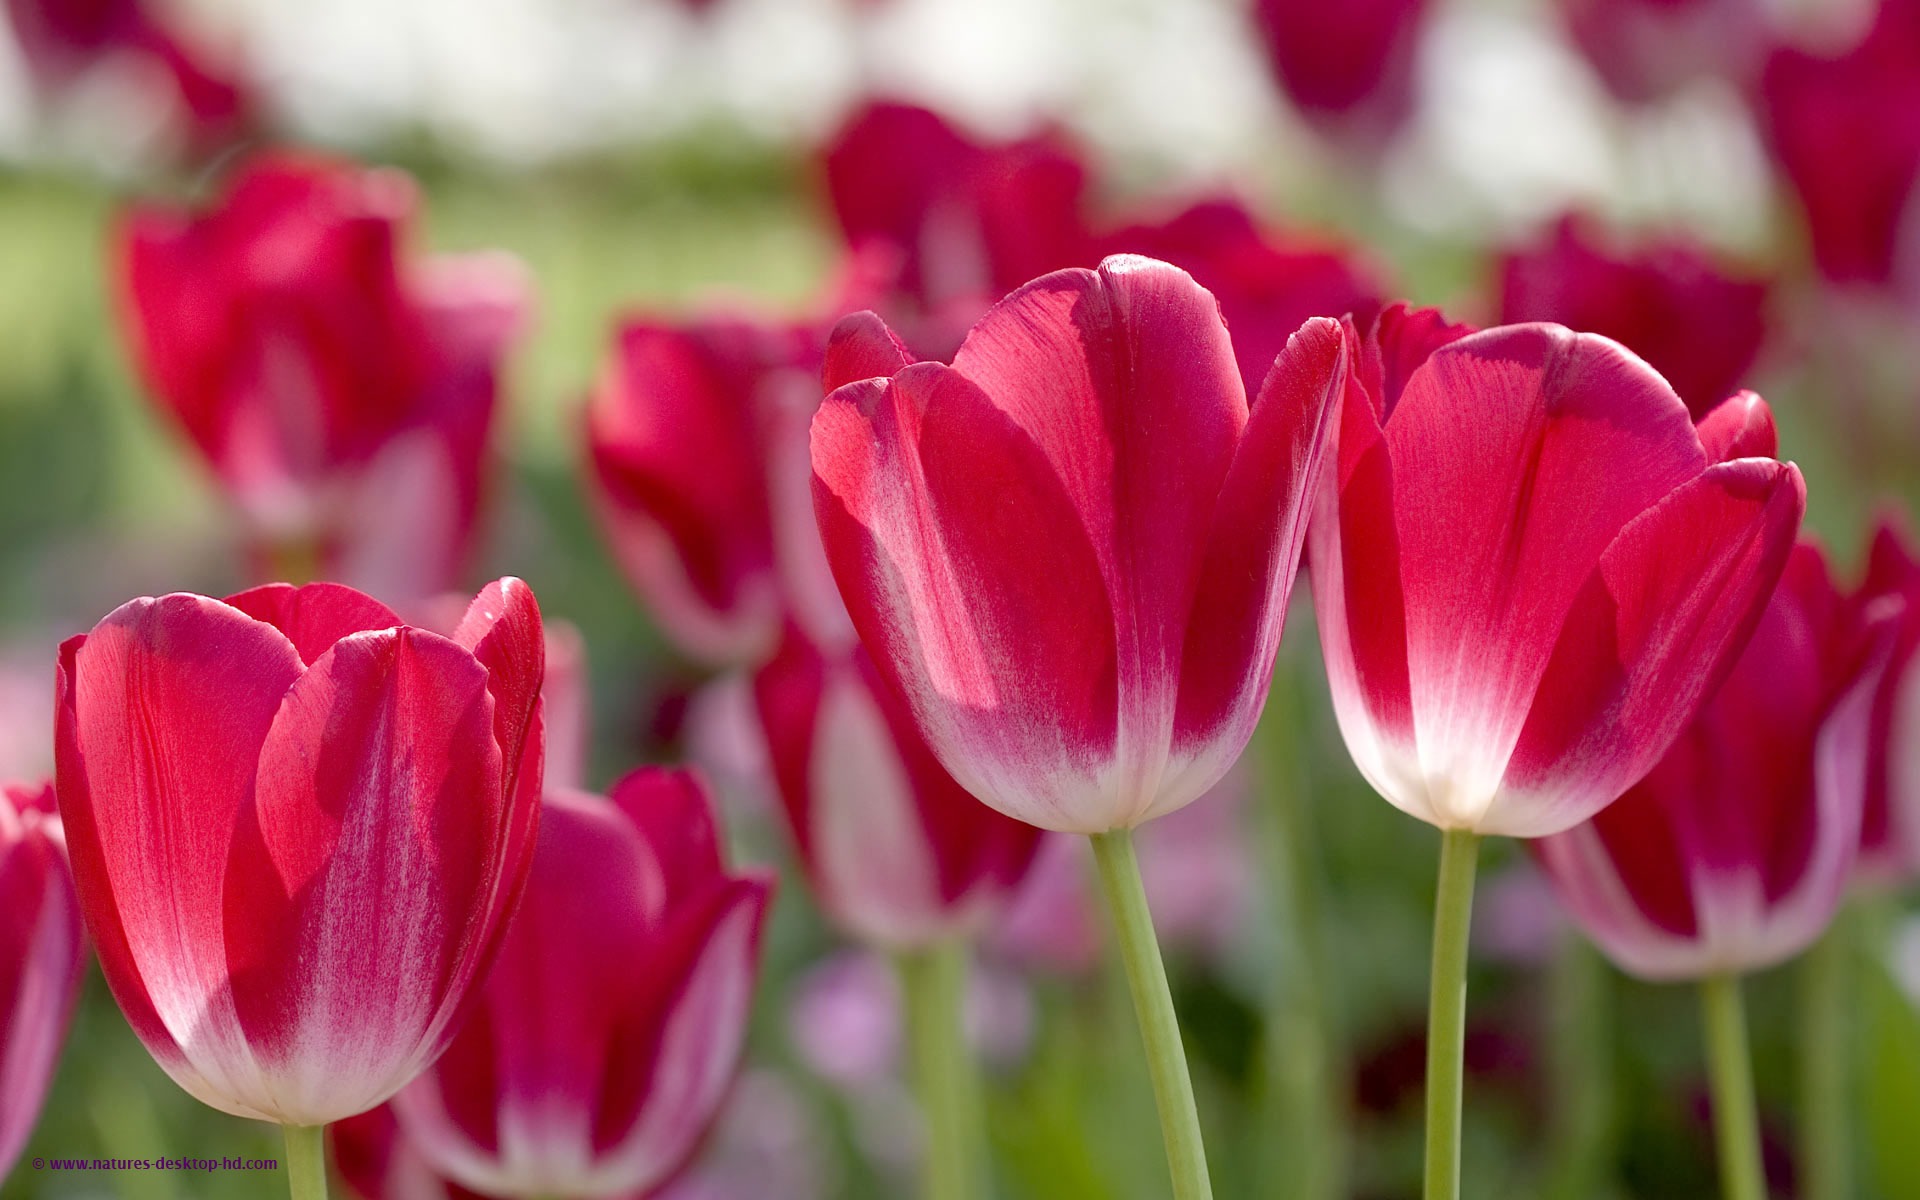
(1447, 1010)
(306, 1161)
(934, 981)
(1736, 1118)
(1825, 1055)
(1153, 1004)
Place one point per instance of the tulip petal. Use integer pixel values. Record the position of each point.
(1655, 628)
(673, 810)
(41, 956)
(315, 616)
(1501, 518)
(934, 508)
(1741, 426)
(863, 347)
(359, 884)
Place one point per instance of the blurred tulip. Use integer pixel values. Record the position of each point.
(1071, 550)
(377, 1161)
(899, 854)
(696, 438)
(1733, 853)
(1666, 301)
(969, 220)
(1647, 50)
(298, 828)
(768, 1143)
(605, 1039)
(1890, 831)
(1845, 128)
(41, 956)
(1348, 67)
(1267, 284)
(1530, 568)
(342, 393)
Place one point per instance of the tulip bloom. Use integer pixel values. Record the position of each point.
(41, 956)
(1347, 67)
(342, 393)
(900, 855)
(298, 828)
(1666, 301)
(1890, 831)
(1647, 50)
(696, 441)
(606, 1037)
(1732, 854)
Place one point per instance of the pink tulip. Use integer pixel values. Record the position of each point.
(1646, 50)
(298, 828)
(377, 1162)
(1733, 853)
(604, 1042)
(1530, 568)
(1348, 67)
(342, 393)
(898, 853)
(41, 956)
(1071, 550)
(1890, 828)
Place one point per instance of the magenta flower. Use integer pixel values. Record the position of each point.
(42, 954)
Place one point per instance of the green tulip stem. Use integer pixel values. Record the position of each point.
(1447, 1011)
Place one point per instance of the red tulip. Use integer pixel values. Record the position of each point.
(1666, 301)
(1646, 50)
(898, 853)
(342, 394)
(605, 1039)
(1845, 129)
(1071, 550)
(1890, 829)
(969, 219)
(697, 442)
(1733, 853)
(41, 955)
(298, 828)
(1530, 568)
(1349, 66)
(1267, 284)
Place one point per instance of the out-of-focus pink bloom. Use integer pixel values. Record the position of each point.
(606, 1037)
(696, 439)
(63, 39)
(1071, 550)
(1646, 50)
(1530, 568)
(1518, 919)
(767, 1144)
(41, 955)
(1348, 67)
(899, 854)
(1665, 300)
(1845, 129)
(1732, 854)
(298, 828)
(1268, 284)
(26, 718)
(968, 219)
(1890, 830)
(342, 392)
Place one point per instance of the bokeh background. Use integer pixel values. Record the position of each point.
(649, 156)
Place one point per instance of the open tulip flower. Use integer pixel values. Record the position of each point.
(1530, 569)
(298, 829)
(1070, 552)
(41, 956)
(342, 392)
(607, 1035)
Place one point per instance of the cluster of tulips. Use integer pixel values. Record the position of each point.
(997, 540)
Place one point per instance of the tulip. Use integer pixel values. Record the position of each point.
(1349, 68)
(1530, 570)
(1647, 50)
(1890, 829)
(604, 1041)
(1733, 854)
(377, 1162)
(1070, 552)
(696, 440)
(1666, 301)
(298, 829)
(41, 956)
(1845, 129)
(341, 393)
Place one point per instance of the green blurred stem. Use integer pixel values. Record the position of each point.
(307, 1161)
(1447, 1010)
(945, 1078)
(1736, 1118)
(1825, 1055)
(1153, 1005)
(1580, 1066)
